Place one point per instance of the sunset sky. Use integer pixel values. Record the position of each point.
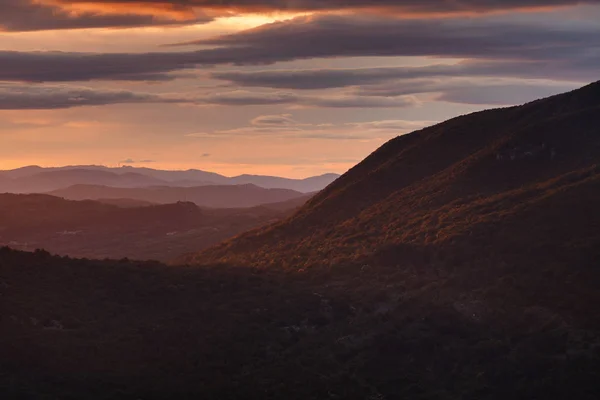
(292, 88)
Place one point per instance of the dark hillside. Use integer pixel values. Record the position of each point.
(389, 198)
(98, 230)
(214, 196)
(119, 330)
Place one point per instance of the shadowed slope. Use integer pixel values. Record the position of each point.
(222, 196)
(98, 230)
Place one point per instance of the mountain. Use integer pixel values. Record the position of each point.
(5, 180)
(312, 184)
(126, 203)
(124, 229)
(229, 196)
(35, 179)
(190, 175)
(50, 180)
(457, 262)
(443, 185)
(24, 171)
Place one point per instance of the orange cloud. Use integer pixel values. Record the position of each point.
(35, 15)
(402, 8)
(161, 10)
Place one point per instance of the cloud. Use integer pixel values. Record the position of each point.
(30, 15)
(324, 78)
(35, 97)
(356, 35)
(471, 91)
(391, 125)
(534, 49)
(247, 98)
(274, 120)
(132, 161)
(47, 97)
(364, 131)
(403, 7)
(35, 15)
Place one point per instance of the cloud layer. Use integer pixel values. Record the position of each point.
(286, 127)
(30, 15)
(35, 15)
(501, 49)
(48, 97)
(405, 7)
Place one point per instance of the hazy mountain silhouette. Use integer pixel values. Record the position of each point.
(5, 181)
(51, 180)
(126, 203)
(307, 185)
(227, 196)
(124, 229)
(456, 262)
(26, 171)
(34, 179)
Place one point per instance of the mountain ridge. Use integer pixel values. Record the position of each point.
(31, 179)
(465, 159)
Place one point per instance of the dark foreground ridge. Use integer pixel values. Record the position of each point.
(458, 262)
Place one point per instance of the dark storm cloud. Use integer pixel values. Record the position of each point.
(27, 15)
(565, 50)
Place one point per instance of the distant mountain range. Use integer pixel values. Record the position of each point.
(34, 179)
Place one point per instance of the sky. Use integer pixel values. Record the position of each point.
(292, 88)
